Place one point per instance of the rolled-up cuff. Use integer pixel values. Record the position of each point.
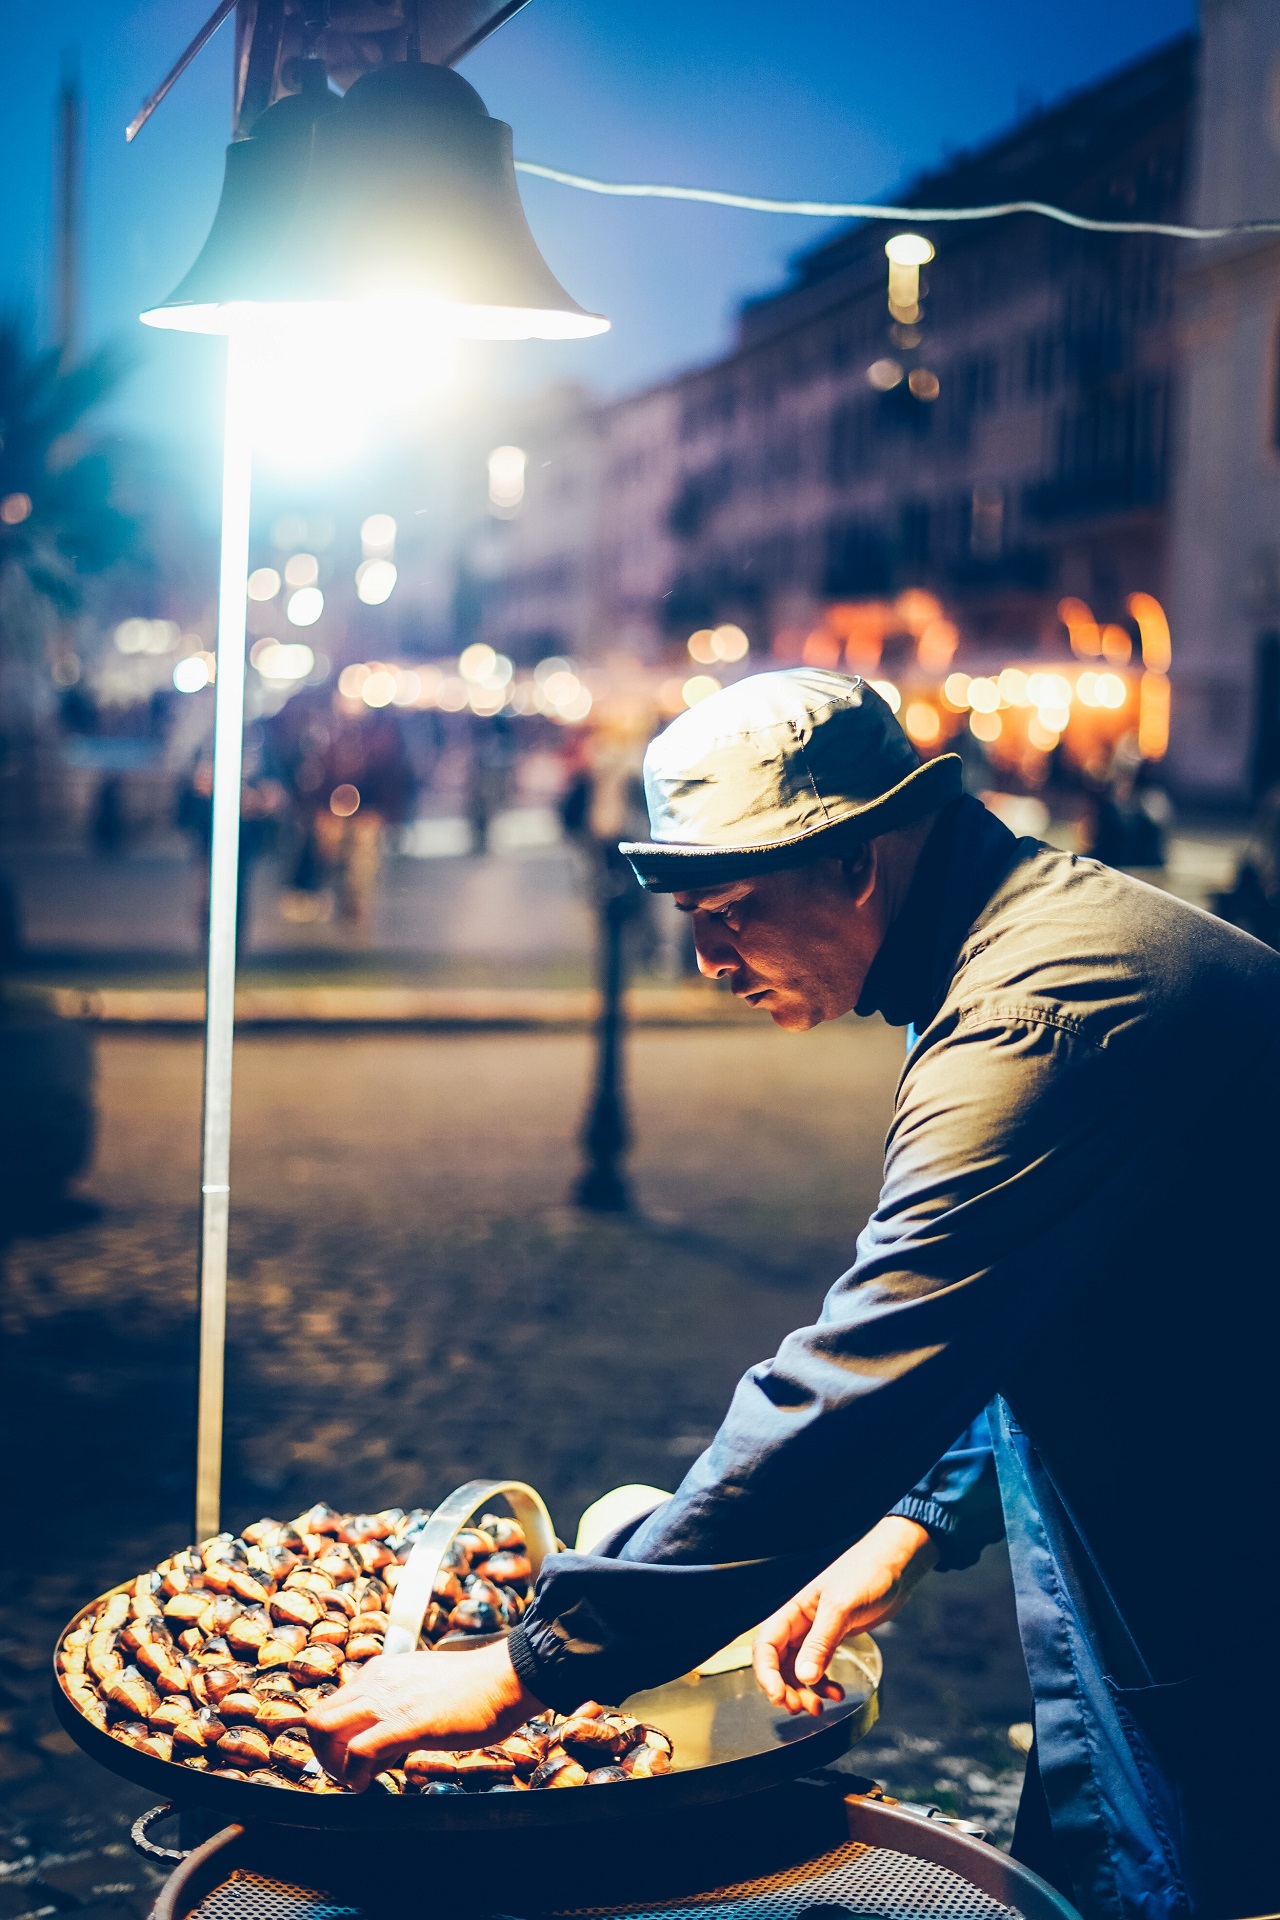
(529, 1669)
(936, 1520)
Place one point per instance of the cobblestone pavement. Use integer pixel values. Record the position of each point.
(413, 1303)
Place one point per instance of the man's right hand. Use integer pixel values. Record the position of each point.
(868, 1584)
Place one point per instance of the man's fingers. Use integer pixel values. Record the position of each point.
(821, 1641)
(764, 1659)
(369, 1752)
(346, 1711)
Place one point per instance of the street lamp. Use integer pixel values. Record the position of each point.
(384, 221)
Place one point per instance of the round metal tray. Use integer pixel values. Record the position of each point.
(728, 1741)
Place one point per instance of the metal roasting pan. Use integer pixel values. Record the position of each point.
(728, 1740)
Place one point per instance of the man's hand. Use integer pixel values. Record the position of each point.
(411, 1700)
(868, 1584)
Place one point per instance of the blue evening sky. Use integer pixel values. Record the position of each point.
(829, 100)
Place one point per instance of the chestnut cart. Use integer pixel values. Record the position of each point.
(809, 1850)
(745, 1827)
(728, 1740)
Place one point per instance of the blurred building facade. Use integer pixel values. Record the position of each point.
(1067, 410)
(1225, 568)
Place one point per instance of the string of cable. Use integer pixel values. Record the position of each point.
(866, 210)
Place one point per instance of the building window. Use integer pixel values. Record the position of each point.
(986, 523)
(916, 521)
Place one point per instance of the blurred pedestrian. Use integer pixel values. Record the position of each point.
(263, 800)
(365, 785)
(1253, 901)
(490, 772)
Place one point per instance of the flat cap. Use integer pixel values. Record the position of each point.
(779, 768)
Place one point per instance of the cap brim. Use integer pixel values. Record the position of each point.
(669, 866)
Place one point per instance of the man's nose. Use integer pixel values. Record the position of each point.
(716, 955)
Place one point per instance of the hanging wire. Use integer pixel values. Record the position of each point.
(866, 210)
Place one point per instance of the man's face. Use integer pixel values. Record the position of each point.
(797, 943)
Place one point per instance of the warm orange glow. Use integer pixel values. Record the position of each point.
(1153, 626)
(936, 646)
(344, 800)
(922, 722)
(1116, 645)
(1077, 618)
(822, 649)
(1153, 715)
(15, 508)
(915, 607)
(986, 726)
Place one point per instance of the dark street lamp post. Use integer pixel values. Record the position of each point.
(606, 1134)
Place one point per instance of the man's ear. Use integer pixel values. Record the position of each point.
(860, 871)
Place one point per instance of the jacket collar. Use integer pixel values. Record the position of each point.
(963, 861)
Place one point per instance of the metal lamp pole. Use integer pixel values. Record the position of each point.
(602, 1185)
(219, 1029)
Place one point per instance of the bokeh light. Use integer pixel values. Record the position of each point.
(305, 606)
(375, 581)
(264, 583)
(922, 722)
(378, 533)
(700, 687)
(194, 673)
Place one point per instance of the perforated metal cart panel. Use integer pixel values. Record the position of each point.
(872, 1883)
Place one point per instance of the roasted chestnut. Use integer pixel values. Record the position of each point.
(313, 1664)
(558, 1770)
(476, 1616)
(294, 1609)
(244, 1747)
(365, 1526)
(248, 1632)
(131, 1693)
(291, 1752)
(507, 1570)
(184, 1609)
(278, 1711)
(284, 1645)
(332, 1631)
(430, 1763)
(645, 1762)
(506, 1535)
(364, 1646)
(485, 1763)
(200, 1731)
(240, 1707)
(244, 1585)
(320, 1519)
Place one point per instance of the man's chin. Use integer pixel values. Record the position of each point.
(792, 1015)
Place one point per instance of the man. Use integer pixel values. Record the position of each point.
(1069, 1267)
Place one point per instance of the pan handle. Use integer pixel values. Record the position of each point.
(414, 1588)
(140, 1834)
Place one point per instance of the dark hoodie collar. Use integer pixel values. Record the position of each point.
(962, 862)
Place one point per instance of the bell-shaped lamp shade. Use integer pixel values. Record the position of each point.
(408, 206)
(239, 263)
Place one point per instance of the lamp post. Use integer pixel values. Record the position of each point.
(606, 1133)
(384, 221)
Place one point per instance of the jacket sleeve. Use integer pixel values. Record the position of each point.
(958, 1501)
(1007, 1160)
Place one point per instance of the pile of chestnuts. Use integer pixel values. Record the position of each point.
(214, 1658)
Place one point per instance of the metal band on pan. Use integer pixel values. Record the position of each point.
(414, 1588)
